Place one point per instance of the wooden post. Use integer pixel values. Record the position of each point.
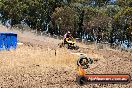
(55, 52)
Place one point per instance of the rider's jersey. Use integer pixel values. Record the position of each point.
(65, 35)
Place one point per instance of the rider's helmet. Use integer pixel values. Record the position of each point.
(68, 32)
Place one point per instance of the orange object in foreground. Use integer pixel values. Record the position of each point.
(108, 78)
(84, 78)
(103, 78)
(81, 71)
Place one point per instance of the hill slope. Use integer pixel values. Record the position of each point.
(34, 64)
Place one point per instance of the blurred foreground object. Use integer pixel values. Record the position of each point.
(83, 77)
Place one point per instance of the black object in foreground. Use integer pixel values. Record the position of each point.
(104, 79)
(81, 80)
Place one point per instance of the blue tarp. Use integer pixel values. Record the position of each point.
(8, 41)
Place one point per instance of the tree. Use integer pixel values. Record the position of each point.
(123, 21)
(68, 19)
(124, 3)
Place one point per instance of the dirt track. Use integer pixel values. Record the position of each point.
(34, 64)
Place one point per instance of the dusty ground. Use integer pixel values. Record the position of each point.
(35, 65)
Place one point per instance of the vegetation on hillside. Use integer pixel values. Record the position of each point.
(97, 20)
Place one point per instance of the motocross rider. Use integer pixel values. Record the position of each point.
(67, 37)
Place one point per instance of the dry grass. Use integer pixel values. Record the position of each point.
(35, 65)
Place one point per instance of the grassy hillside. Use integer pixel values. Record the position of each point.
(35, 65)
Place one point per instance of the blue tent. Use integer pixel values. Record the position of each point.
(8, 41)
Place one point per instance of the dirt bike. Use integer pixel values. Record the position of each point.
(69, 44)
